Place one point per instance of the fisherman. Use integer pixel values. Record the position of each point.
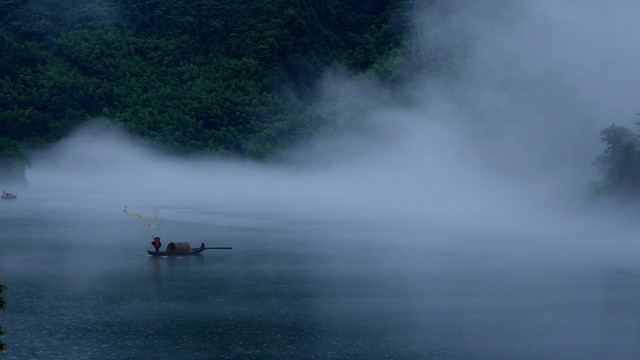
(156, 243)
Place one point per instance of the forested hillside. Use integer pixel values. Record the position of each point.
(216, 76)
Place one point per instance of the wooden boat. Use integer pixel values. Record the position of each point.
(183, 249)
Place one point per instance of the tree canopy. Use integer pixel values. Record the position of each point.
(219, 76)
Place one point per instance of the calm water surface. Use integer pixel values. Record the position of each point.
(80, 286)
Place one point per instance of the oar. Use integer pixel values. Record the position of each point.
(218, 248)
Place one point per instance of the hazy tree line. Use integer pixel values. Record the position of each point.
(216, 76)
(619, 164)
(224, 77)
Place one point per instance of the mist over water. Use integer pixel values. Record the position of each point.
(507, 145)
(443, 221)
(506, 148)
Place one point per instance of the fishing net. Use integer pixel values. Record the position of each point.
(151, 219)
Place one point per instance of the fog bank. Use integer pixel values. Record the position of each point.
(506, 146)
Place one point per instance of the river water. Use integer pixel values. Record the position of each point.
(81, 286)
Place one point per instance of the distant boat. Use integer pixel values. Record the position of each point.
(184, 249)
(8, 196)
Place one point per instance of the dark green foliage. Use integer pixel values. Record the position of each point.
(218, 76)
(619, 164)
(13, 162)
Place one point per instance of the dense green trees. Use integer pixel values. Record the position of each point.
(219, 76)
